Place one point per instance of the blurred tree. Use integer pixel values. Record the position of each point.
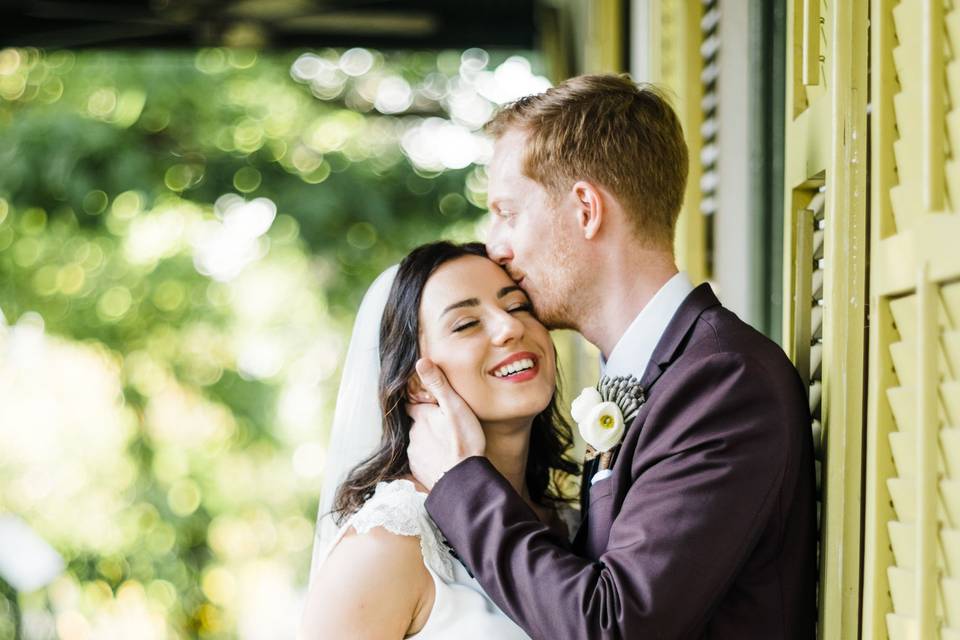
(198, 227)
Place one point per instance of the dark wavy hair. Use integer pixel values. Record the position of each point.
(550, 438)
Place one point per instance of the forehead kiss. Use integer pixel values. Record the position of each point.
(465, 284)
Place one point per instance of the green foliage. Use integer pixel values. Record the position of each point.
(99, 123)
(111, 168)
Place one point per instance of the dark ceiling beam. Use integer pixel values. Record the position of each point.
(273, 24)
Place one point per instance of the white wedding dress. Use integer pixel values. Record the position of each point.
(461, 609)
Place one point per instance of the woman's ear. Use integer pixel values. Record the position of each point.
(416, 391)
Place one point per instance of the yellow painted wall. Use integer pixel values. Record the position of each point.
(676, 64)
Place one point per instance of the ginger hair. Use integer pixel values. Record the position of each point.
(608, 130)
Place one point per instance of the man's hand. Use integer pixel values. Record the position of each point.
(444, 433)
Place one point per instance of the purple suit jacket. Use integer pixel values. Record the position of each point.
(707, 526)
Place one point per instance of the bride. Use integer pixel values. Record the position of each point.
(381, 569)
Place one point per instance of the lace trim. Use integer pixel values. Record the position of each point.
(399, 508)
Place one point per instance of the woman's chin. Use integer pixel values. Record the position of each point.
(522, 416)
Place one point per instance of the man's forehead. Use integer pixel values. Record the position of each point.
(508, 148)
(500, 192)
(505, 171)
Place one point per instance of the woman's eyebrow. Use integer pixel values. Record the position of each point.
(510, 289)
(472, 302)
(469, 302)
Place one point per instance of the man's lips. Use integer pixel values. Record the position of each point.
(516, 277)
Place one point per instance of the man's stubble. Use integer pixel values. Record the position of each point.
(561, 291)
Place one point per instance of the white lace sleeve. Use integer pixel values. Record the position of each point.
(399, 508)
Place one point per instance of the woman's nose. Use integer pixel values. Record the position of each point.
(507, 328)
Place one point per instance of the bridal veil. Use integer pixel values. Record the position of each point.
(357, 419)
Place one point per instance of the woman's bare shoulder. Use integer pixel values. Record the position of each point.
(370, 582)
(379, 545)
(374, 554)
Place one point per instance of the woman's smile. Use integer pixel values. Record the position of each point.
(518, 367)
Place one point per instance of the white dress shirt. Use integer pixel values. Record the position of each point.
(632, 352)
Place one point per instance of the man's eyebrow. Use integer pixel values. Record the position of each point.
(469, 302)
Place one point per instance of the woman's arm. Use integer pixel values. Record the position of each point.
(373, 586)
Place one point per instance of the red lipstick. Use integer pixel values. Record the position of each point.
(522, 376)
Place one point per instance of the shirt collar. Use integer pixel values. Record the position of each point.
(632, 352)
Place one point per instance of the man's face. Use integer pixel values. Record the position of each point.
(531, 235)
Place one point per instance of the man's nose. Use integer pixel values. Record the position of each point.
(498, 247)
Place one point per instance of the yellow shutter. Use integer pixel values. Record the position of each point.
(825, 273)
(912, 529)
(708, 140)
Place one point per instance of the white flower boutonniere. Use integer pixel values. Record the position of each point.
(603, 412)
(601, 424)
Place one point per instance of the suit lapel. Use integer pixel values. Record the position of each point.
(667, 350)
(671, 342)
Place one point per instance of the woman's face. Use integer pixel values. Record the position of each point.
(479, 328)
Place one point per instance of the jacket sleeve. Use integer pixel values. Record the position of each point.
(717, 446)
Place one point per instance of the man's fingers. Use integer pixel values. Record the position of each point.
(431, 375)
(420, 412)
(436, 383)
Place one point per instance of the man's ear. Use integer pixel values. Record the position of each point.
(591, 209)
(416, 391)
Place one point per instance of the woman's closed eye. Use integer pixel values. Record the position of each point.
(463, 326)
(523, 307)
(526, 306)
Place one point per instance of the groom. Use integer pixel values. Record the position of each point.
(706, 527)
